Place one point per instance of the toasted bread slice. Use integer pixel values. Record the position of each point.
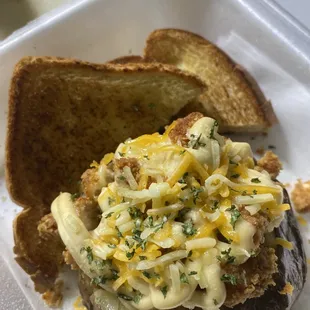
(63, 114)
(127, 59)
(230, 97)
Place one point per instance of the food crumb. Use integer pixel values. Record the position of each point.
(301, 196)
(287, 289)
(53, 297)
(78, 304)
(260, 150)
(271, 163)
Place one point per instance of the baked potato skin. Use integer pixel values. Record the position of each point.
(272, 299)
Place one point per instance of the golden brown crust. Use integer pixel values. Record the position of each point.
(301, 196)
(253, 277)
(69, 260)
(178, 133)
(38, 253)
(271, 163)
(127, 59)
(238, 103)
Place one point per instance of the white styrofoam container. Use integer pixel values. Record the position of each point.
(268, 42)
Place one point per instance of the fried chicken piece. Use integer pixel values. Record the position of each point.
(253, 277)
(131, 162)
(301, 196)
(178, 133)
(47, 227)
(271, 163)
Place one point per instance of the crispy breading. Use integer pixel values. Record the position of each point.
(132, 163)
(301, 196)
(47, 227)
(178, 133)
(88, 211)
(260, 221)
(253, 277)
(271, 163)
(53, 297)
(69, 260)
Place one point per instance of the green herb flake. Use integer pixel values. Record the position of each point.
(229, 278)
(125, 297)
(254, 192)
(188, 228)
(121, 154)
(215, 302)
(190, 253)
(130, 255)
(142, 257)
(192, 273)
(211, 135)
(196, 192)
(235, 214)
(137, 297)
(110, 200)
(75, 196)
(111, 246)
(235, 176)
(119, 234)
(90, 256)
(146, 157)
(121, 177)
(134, 212)
(109, 215)
(182, 152)
(225, 257)
(115, 275)
(255, 180)
(215, 205)
(194, 142)
(98, 280)
(152, 105)
(232, 162)
(183, 278)
(164, 290)
(147, 274)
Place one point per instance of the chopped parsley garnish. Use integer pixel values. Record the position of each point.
(146, 157)
(190, 253)
(147, 274)
(215, 205)
(90, 256)
(121, 154)
(125, 297)
(128, 244)
(130, 255)
(235, 214)
(156, 275)
(99, 280)
(115, 275)
(119, 234)
(112, 246)
(215, 302)
(121, 177)
(271, 147)
(164, 290)
(160, 225)
(182, 152)
(232, 162)
(75, 196)
(109, 215)
(182, 180)
(134, 212)
(211, 135)
(255, 180)
(194, 142)
(150, 221)
(196, 191)
(235, 176)
(192, 273)
(137, 297)
(254, 192)
(229, 278)
(225, 257)
(188, 228)
(183, 278)
(111, 200)
(142, 257)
